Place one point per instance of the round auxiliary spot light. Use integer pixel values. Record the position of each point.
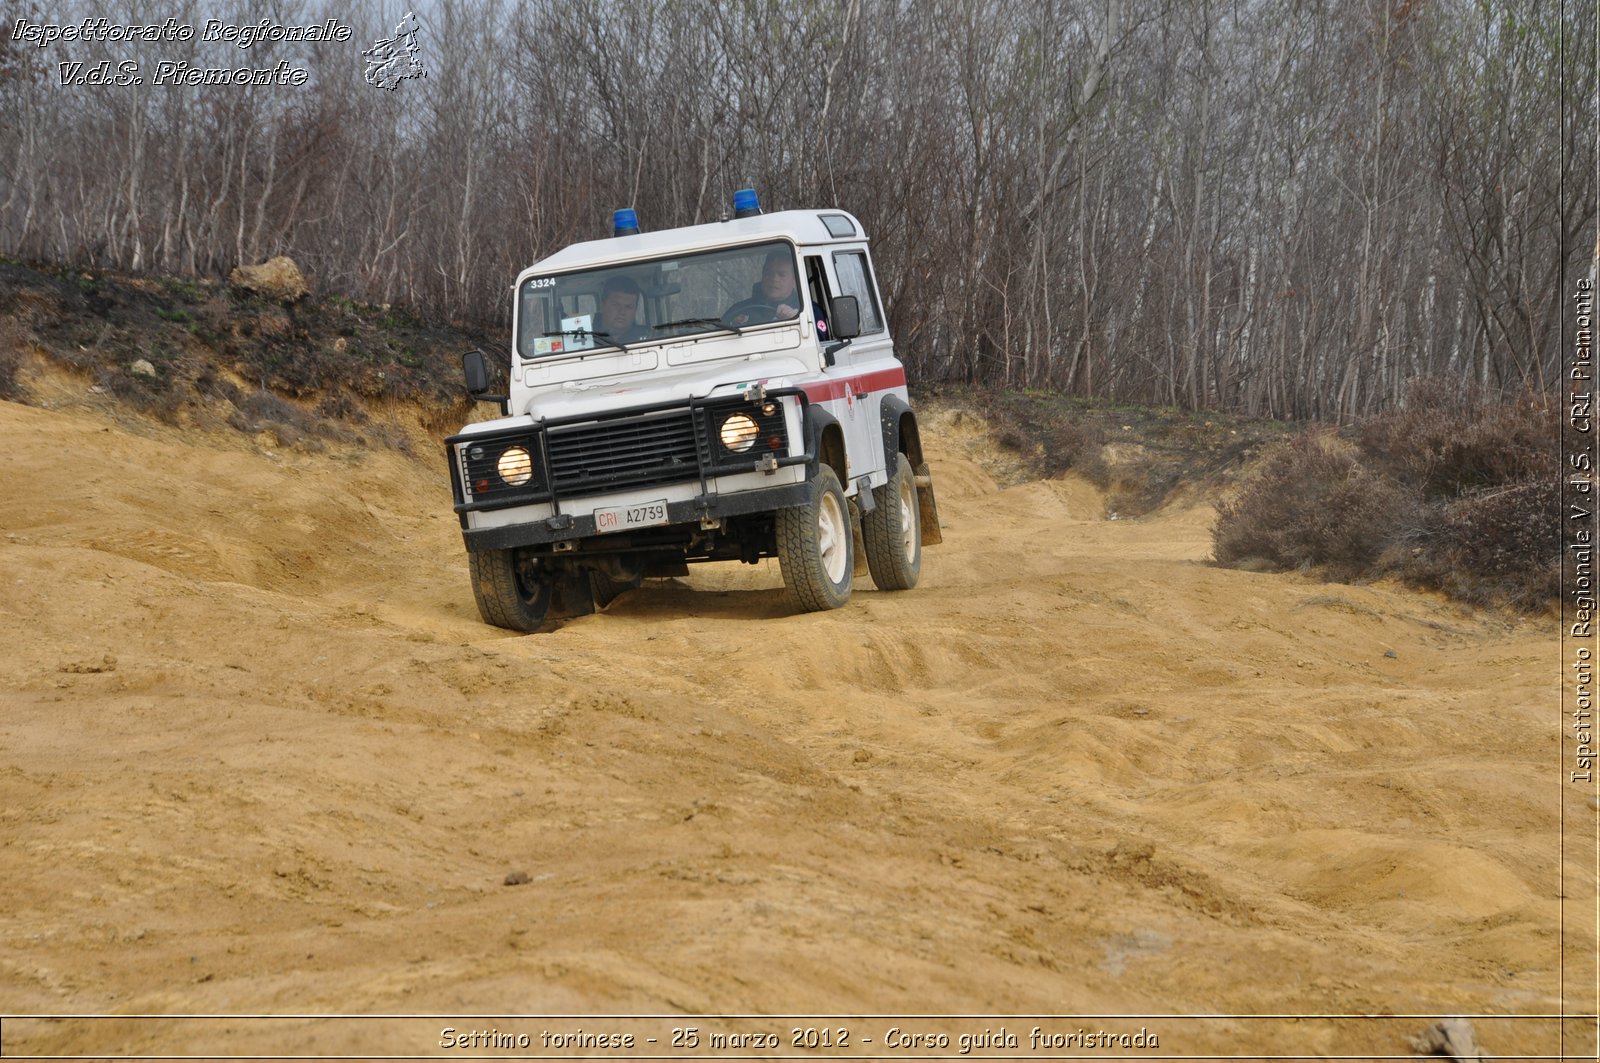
(515, 466)
(739, 432)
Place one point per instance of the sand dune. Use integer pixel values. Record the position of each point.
(260, 755)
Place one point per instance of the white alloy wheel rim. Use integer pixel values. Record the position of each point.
(908, 521)
(831, 541)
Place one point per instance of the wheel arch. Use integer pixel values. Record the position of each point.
(826, 438)
(900, 433)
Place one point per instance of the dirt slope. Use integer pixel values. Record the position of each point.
(258, 754)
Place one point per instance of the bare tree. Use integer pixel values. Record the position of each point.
(1280, 207)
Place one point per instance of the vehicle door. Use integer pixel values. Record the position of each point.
(866, 365)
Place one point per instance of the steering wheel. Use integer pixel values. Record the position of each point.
(752, 314)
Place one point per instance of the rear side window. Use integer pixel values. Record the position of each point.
(855, 278)
(839, 225)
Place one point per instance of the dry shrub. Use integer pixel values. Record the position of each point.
(1489, 472)
(10, 386)
(1312, 505)
(154, 394)
(1445, 442)
(211, 385)
(1501, 546)
(264, 406)
(262, 411)
(1051, 439)
(291, 426)
(389, 435)
(341, 407)
(1453, 492)
(11, 341)
(1077, 446)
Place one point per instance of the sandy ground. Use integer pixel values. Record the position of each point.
(259, 755)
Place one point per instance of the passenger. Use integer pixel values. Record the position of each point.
(619, 309)
(772, 298)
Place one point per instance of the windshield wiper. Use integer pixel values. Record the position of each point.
(586, 332)
(717, 321)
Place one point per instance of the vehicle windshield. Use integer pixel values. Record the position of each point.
(730, 289)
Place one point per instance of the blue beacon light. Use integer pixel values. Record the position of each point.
(624, 222)
(745, 203)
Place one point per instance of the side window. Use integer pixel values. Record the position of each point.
(821, 297)
(855, 278)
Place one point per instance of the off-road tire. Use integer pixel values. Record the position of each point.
(608, 590)
(814, 548)
(893, 530)
(505, 597)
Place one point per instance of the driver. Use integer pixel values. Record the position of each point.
(619, 306)
(772, 297)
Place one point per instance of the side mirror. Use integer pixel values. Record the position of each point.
(844, 317)
(476, 370)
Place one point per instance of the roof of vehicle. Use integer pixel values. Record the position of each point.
(797, 226)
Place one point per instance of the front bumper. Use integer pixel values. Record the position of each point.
(565, 526)
(569, 467)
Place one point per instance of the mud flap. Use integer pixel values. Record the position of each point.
(573, 596)
(927, 508)
(858, 542)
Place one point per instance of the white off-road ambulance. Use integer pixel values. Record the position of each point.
(719, 392)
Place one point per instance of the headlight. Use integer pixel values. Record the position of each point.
(516, 466)
(739, 432)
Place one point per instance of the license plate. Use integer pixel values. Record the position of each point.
(643, 515)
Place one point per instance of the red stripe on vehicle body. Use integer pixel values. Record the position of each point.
(881, 380)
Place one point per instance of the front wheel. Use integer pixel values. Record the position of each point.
(814, 546)
(607, 588)
(893, 530)
(509, 595)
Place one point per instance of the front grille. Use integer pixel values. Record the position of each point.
(628, 452)
(645, 448)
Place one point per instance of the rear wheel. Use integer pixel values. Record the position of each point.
(814, 547)
(509, 595)
(893, 530)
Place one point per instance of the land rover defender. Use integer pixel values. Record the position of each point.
(719, 392)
